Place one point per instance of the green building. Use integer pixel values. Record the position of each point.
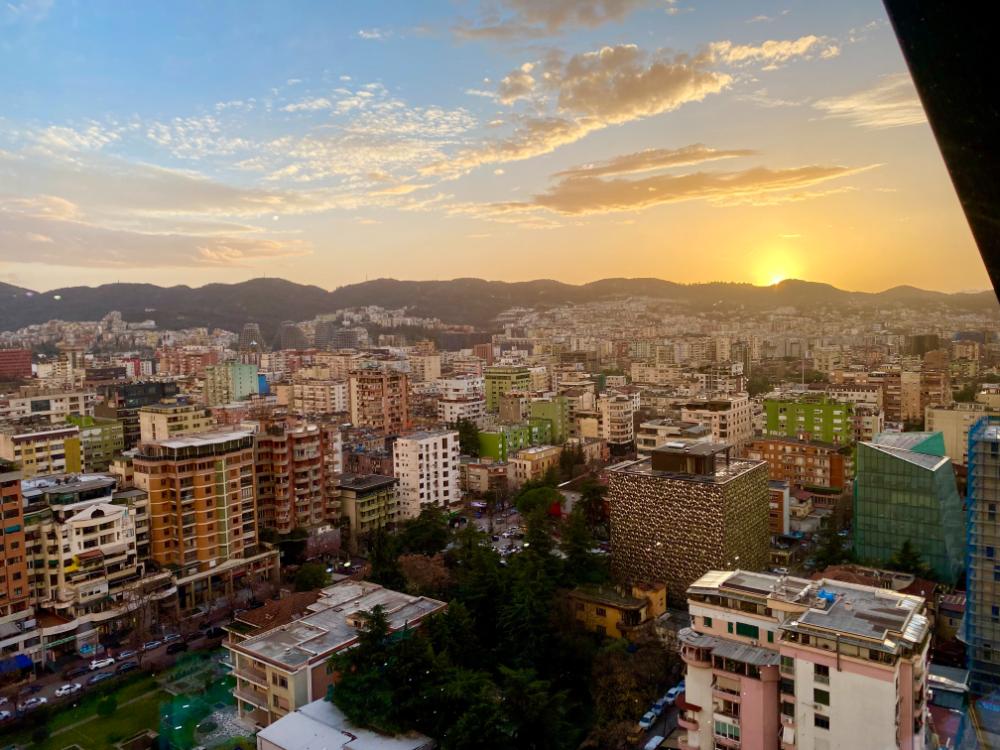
(904, 490)
(556, 412)
(820, 417)
(498, 444)
(502, 379)
(101, 440)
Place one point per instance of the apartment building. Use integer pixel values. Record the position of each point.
(500, 380)
(380, 399)
(14, 587)
(424, 367)
(185, 360)
(427, 466)
(316, 396)
(41, 450)
(283, 669)
(817, 417)
(500, 443)
(730, 419)
(616, 419)
(228, 382)
(172, 419)
(532, 464)
(954, 423)
(777, 661)
(686, 509)
(39, 404)
(290, 476)
(804, 463)
(203, 511)
(101, 441)
(616, 612)
(368, 502)
(482, 479)
(655, 432)
(982, 609)
(82, 543)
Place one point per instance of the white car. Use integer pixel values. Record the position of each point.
(102, 663)
(33, 703)
(68, 689)
(4, 715)
(647, 720)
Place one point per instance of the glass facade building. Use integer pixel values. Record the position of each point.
(905, 495)
(982, 603)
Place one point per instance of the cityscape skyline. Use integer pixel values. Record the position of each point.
(725, 143)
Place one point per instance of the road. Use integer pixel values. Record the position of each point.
(662, 726)
(152, 661)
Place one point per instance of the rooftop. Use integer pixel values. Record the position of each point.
(608, 595)
(923, 460)
(320, 725)
(361, 482)
(331, 625)
(198, 440)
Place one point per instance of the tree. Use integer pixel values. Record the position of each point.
(425, 576)
(311, 576)
(383, 559)
(468, 437)
(830, 548)
(427, 534)
(532, 499)
(591, 503)
(570, 457)
(536, 711)
(758, 383)
(908, 560)
(582, 565)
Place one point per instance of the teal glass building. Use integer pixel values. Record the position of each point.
(908, 494)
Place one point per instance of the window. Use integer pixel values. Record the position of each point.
(787, 708)
(822, 697)
(729, 731)
(788, 664)
(729, 627)
(821, 673)
(821, 722)
(747, 631)
(601, 612)
(770, 636)
(706, 621)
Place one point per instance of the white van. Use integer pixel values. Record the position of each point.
(654, 742)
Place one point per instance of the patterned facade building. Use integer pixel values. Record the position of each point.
(686, 509)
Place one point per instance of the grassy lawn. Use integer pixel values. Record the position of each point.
(102, 733)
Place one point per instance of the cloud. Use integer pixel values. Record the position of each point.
(513, 19)
(591, 91)
(31, 238)
(517, 84)
(377, 35)
(593, 195)
(91, 137)
(653, 158)
(891, 102)
(24, 11)
(313, 104)
(772, 52)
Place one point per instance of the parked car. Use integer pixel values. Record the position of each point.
(214, 632)
(69, 674)
(654, 742)
(647, 720)
(100, 677)
(102, 663)
(151, 645)
(171, 637)
(671, 697)
(29, 689)
(4, 715)
(176, 648)
(126, 666)
(657, 708)
(33, 703)
(127, 653)
(68, 689)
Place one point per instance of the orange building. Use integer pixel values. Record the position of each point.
(13, 563)
(803, 463)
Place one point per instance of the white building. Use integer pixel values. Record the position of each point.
(730, 419)
(427, 466)
(53, 406)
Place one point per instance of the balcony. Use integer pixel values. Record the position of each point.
(688, 720)
(251, 674)
(725, 742)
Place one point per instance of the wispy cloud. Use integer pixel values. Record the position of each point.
(526, 19)
(773, 52)
(652, 159)
(891, 102)
(377, 35)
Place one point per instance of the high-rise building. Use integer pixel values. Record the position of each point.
(203, 511)
(775, 661)
(14, 587)
(229, 382)
(427, 466)
(816, 418)
(290, 336)
(101, 441)
(730, 419)
(555, 409)
(982, 576)
(380, 399)
(686, 509)
(616, 419)
(954, 423)
(905, 492)
(316, 393)
(251, 340)
(502, 379)
(290, 476)
(15, 364)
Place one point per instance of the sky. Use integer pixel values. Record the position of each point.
(333, 142)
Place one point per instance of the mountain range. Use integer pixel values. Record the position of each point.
(470, 301)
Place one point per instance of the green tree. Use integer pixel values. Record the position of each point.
(582, 566)
(758, 384)
(591, 502)
(427, 534)
(907, 560)
(468, 437)
(530, 500)
(383, 560)
(536, 712)
(310, 577)
(830, 548)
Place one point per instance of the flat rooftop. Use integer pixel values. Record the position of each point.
(328, 628)
(320, 725)
(877, 617)
(37, 486)
(199, 439)
(724, 471)
(362, 482)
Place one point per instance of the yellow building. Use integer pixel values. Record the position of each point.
(170, 420)
(613, 612)
(46, 450)
(531, 464)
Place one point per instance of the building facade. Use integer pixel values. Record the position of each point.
(819, 418)
(173, 419)
(290, 477)
(804, 463)
(380, 399)
(427, 466)
(500, 380)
